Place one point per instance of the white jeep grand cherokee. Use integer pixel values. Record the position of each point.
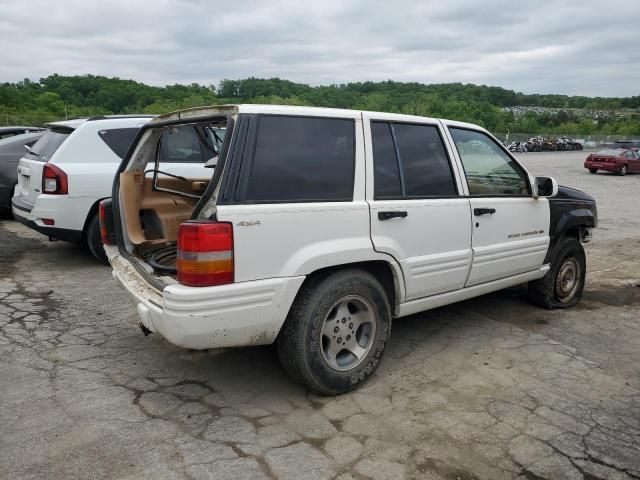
(319, 226)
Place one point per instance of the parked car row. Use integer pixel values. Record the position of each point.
(546, 144)
(306, 227)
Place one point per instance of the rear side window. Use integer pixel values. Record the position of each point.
(410, 161)
(118, 139)
(386, 176)
(302, 159)
(47, 145)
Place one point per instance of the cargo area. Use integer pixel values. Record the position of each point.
(168, 172)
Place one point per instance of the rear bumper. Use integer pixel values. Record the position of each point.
(239, 314)
(609, 167)
(27, 219)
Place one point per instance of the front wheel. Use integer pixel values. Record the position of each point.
(336, 332)
(593, 170)
(563, 284)
(94, 240)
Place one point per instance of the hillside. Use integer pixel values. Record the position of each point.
(500, 110)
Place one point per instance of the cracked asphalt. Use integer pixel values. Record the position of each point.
(491, 388)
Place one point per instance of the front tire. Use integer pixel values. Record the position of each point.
(563, 284)
(336, 332)
(593, 170)
(94, 240)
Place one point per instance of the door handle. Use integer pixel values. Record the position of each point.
(390, 215)
(483, 211)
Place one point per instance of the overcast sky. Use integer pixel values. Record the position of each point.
(571, 47)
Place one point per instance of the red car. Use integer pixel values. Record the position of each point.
(620, 160)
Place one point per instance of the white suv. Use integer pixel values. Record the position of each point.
(319, 226)
(62, 179)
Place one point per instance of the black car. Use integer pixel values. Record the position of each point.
(6, 132)
(11, 150)
(626, 144)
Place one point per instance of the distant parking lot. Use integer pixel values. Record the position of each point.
(490, 388)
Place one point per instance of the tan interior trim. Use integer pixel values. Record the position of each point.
(170, 209)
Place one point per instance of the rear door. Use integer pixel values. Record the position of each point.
(30, 166)
(418, 214)
(510, 227)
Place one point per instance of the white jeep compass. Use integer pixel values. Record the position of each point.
(320, 226)
(66, 173)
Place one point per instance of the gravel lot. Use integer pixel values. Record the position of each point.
(490, 388)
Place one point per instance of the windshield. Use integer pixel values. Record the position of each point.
(47, 145)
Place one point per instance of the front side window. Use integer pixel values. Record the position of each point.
(489, 170)
(302, 159)
(410, 161)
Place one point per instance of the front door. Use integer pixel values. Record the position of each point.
(633, 160)
(417, 213)
(510, 227)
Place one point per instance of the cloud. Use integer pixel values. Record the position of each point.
(583, 48)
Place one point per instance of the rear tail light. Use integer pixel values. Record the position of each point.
(205, 253)
(107, 224)
(54, 180)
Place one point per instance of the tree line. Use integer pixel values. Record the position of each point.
(57, 97)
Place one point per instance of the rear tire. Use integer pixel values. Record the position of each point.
(593, 170)
(94, 240)
(623, 170)
(563, 284)
(335, 334)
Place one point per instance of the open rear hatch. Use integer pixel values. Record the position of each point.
(156, 189)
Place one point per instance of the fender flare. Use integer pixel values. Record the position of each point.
(582, 217)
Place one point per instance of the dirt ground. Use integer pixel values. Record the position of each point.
(490, 388)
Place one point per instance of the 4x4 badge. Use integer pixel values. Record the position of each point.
(248, 224)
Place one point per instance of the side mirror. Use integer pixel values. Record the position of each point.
(545, 187)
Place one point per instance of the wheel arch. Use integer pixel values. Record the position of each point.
(388, 273)
(571, 223)
(92, 211)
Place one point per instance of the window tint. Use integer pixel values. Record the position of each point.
(489, 170)
(423, 162)
(425, 165)
(47, 145)
(118, 139)
(302, 159)
(386, 176)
